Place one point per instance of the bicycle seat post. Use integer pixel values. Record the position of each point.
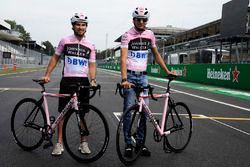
(43, 87)
(168, 88)
(41, 82)
(170, 78)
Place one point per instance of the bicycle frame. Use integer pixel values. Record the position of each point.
(142, 105)
(73, 103)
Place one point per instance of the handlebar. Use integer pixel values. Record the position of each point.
(138, 88)
(76, 87)
(171, 77)
(119, 87)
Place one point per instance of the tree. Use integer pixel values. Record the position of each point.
(49, 49)
(25, 36)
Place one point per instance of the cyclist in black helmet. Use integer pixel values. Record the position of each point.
(135, 44)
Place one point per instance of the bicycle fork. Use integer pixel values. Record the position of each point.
(81, 122)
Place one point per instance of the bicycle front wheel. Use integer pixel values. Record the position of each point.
(179, 123)
(89, 125)
(27, 120)
(132, 129)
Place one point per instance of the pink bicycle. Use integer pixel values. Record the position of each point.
(31, 124)
(175, 127)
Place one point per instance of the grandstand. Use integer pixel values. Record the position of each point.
(20, 53)
(230, 34)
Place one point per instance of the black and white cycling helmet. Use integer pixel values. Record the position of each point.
(141, 12)
(79, 17)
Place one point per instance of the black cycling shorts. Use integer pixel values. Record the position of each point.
(66, 88)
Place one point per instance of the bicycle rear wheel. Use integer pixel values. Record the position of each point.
(27, 120)
(179, 122)
(136, 118)
(91, 125)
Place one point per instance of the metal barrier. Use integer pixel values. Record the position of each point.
(21, 56)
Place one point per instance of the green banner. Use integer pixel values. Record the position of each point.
(226, 75)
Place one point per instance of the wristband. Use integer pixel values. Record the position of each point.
(93, 79)
(124, 80)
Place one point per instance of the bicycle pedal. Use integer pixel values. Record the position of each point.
(47, 145)
(167, 150)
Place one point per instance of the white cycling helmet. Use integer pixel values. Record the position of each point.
(141, 12)
(79, 17)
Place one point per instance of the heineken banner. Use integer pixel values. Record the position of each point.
(225, 75)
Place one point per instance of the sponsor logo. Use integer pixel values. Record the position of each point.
(75, 61)
(219, 75)
(180, 72)
(155, 70)
(138, 55)
(185, 71)
(236, 74)
(78, 50)
(223, 75)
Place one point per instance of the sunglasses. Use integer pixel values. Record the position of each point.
(141, 19)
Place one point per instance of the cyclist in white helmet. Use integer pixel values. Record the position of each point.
(79, 67)
(135, 44)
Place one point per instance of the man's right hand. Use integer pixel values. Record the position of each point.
(172, 72)
(127, 85)
(46, 79)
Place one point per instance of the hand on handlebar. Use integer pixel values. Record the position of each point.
(127, 85)
(172, 73)
(138, 87)
(46, 79)
(93, 83)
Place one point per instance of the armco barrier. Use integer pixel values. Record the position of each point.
(226, 75)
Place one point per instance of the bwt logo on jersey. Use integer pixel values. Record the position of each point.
(138, 55)
(76, 61)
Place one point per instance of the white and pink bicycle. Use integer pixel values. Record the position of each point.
(31, 124)
(175, 128)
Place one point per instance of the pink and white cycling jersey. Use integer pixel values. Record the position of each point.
(77, 55)
(138, 44)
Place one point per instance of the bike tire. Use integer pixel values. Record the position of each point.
(98, 137)
(27, 120)
(135, 120)
(179, 122)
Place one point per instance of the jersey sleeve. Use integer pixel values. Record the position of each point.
(124, 40)
(153, 40)
(60, 47)
(92, 58)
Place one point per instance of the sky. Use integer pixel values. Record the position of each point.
(50, 19)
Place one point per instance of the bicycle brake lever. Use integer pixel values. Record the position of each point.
(116, 91)
(151, 92)
(117, 87)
